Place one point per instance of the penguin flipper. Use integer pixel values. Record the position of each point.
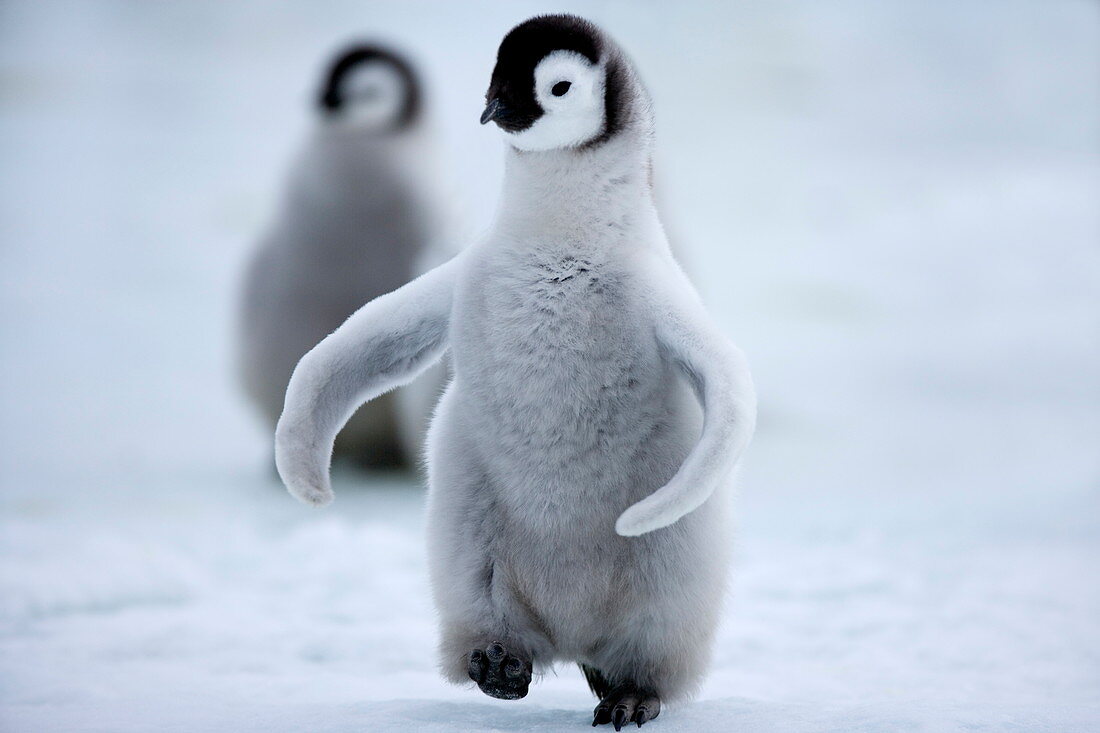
(719, 374)
(383, 345)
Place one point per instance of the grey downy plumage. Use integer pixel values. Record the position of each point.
(581, 458)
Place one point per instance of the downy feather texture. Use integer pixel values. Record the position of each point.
(580, 459)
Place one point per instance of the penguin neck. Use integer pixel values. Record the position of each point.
(358, 148)
(342, 166)
(587, 190)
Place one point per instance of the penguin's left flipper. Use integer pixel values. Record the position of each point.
(627, 704)
(719, 374)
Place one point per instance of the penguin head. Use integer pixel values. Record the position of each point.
(559, 82)
(372, 88)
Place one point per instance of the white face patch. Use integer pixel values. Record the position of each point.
(570, 90)
(373, 95)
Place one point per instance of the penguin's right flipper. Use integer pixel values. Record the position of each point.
(383, 345)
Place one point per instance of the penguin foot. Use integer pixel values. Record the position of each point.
(498, 673)
(627, 704)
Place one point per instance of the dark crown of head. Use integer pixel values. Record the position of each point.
(332, 96)
(530, 42)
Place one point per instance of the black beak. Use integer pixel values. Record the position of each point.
(493, 110)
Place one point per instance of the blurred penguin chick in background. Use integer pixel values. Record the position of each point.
(359, 218)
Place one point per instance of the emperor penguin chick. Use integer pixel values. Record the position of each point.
(360, 218)
(580, 459)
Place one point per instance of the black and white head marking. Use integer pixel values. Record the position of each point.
(559, 82)
(372, 87)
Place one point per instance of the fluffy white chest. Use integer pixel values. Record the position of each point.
(554, 359)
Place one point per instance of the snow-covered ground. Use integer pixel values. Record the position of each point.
(894, 207)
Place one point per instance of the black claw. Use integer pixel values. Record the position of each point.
(627, 703)
(513, 667)
(475, 667)
(495, 651)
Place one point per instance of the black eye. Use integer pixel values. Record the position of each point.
(560, 88)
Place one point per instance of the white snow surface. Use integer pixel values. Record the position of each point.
(892, 207)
